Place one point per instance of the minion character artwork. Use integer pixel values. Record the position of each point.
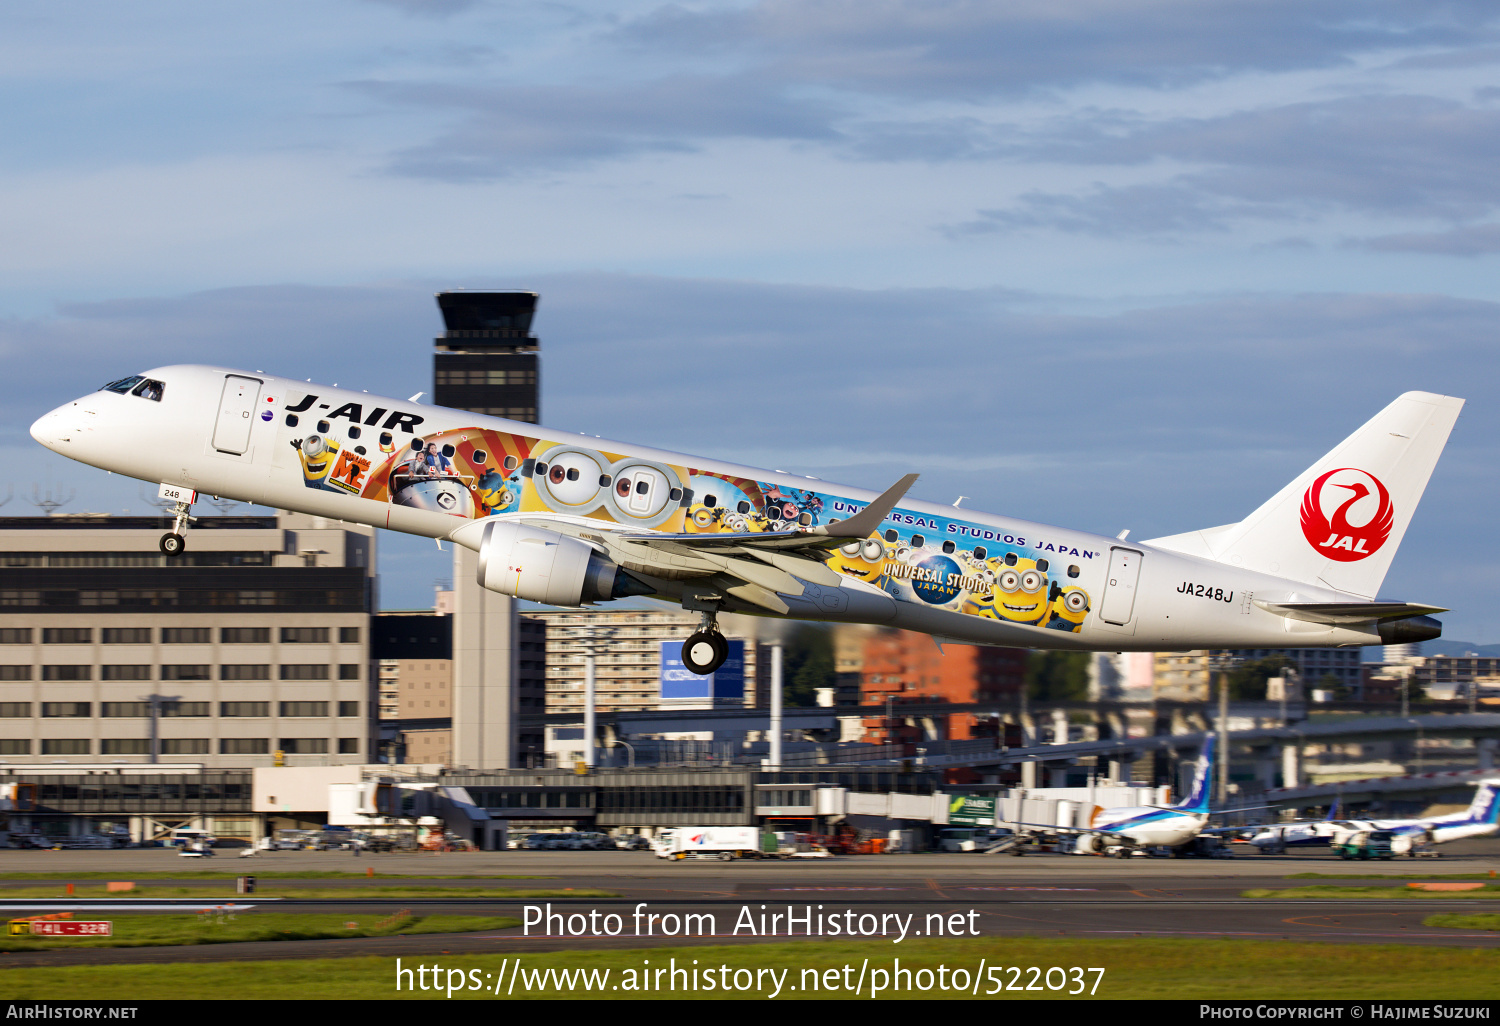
(316, 453)
(1069, 607)
(861, 560)
(724, 505)
(1019, 593)
(564, 478)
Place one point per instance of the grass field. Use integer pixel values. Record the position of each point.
(1141, 967)
(255, 871)
(150, 931)
(1459, 921)
(1324, 891)
(288, 891)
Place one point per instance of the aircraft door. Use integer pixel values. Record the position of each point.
(1118, 604)
(236, 414)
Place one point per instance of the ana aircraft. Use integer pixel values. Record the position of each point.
(1128, 829)
(1481, 819)
(569, 520)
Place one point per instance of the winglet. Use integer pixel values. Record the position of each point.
(868, 520)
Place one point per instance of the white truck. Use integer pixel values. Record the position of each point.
(708, 842)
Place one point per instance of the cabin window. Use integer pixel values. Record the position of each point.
(353, 431)
(1042, 565)
(917, 541)
(1073, 570)
(323, 427)
(948, 546)
(891, 536)
(291, 420)
(743, 507)
(1010, 559)
(710, 501)
(980, 552)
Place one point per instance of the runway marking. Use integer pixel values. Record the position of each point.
(1021, 889)
(937, 888)
(1302, 920)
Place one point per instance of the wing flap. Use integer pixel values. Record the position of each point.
(1348, 612)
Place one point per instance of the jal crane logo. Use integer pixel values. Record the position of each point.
(1356, 495)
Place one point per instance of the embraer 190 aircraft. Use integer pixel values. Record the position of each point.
(569, 520)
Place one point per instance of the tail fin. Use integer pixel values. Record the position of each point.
(1197, 802)
(1339, 523)
(1485, 808)
(1333, 811)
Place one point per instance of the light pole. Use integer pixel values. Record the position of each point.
(775, 760)
(1222, 662)
(592, 637)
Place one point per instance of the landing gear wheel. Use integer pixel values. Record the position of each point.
(172, 544)
(704, 652)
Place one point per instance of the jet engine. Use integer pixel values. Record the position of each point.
(545, 566)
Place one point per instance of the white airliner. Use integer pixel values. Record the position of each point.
(568, 519)
(1125, 830)
(1480, 819)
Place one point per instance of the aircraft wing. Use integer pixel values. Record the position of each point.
(1055, 829)
(750, 566)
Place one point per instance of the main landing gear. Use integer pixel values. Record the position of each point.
(174, 542)
(705, 649)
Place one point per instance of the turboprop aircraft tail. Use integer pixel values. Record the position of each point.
(1339, 523)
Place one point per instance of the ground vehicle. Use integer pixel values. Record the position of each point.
(723, 842)
(632, 842)
(593, 840)
(970, 838)
(184, 837)
(1364, 844)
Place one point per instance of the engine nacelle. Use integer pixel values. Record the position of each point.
(543, 566)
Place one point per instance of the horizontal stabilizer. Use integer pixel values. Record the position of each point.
(1349, 612)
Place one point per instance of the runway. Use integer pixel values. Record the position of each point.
(997, 896)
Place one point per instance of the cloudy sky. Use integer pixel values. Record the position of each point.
(1105, 263)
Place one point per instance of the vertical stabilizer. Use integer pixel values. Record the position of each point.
(1339, 523)
(1485, 808)
(1197, 802)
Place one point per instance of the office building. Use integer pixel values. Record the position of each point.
(251, 649)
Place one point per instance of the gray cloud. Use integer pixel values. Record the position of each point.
(971, 48)
(429, 8)
(502, 129)
(1395, 155)
(1468, 241)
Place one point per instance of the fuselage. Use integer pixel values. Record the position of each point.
(1148, 827)
(431, 471)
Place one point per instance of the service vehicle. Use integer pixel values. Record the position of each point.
(714, 842)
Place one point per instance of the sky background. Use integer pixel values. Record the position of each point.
(1101, 263)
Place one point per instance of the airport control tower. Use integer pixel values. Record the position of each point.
(486, 361)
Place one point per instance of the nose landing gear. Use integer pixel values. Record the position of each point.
(174, 542)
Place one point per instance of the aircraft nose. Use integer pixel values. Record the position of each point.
(52, 429)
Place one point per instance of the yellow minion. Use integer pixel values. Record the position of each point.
(1069, 607)
(703, 519)
(1020, 591)
(317, 453)
(862, 560)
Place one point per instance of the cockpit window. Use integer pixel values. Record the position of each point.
(150, 389)
(123, 385)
